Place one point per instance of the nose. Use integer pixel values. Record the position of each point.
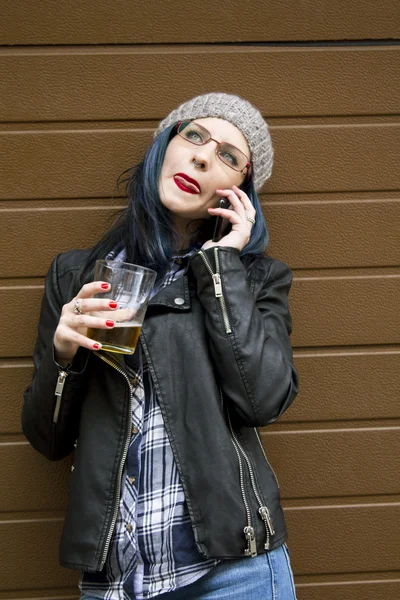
(204, 155)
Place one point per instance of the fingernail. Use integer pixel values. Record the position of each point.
(110, 323)
(113, 304)
(105, 286)
(96, 346)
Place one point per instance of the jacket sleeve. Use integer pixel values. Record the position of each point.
(50, 423)
(249, 336)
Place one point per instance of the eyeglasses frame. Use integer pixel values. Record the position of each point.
(211, 139)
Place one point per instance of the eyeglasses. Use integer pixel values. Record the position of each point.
(199, 135)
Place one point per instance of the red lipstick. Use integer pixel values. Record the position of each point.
(186, 183)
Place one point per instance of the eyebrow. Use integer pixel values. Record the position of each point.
(247, 152)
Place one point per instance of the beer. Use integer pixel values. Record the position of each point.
(122, 338)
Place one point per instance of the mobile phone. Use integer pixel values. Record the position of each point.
(221, 227)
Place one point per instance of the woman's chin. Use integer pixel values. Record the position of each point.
(183, 211)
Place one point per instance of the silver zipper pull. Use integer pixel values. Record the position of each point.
(264, 512)
(251, 549)
(58, 393)
(217, 285)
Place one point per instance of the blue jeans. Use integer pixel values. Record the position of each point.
(267, 577)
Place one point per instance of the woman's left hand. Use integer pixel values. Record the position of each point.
(238, 215)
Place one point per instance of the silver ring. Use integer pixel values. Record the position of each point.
(251, 219)
(76, 308)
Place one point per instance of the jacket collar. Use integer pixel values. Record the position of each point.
(175, 295)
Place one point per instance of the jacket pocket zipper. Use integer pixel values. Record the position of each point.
(263, 510)
(123, 459)
(216, 277)
(249, 533)
(62, 376)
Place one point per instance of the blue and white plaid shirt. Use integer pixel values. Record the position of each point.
(152, 549)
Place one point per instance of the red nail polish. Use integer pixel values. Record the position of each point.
(110, 323)
(96, 346)
(113, 304)
(105, 286)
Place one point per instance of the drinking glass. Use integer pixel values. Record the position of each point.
(131, 287)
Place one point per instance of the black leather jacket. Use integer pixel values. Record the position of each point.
(221, 361)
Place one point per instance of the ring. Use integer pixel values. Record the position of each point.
(76, 308)
(251, 219)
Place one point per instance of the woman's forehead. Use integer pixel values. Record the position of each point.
(224, 131)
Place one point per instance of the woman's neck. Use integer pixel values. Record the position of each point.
(184, 229)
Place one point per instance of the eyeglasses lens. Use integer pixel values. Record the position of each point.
(197, 134)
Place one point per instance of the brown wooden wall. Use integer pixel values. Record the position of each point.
(82, 85)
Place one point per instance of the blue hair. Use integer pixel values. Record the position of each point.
(145, 229)
(259, 232)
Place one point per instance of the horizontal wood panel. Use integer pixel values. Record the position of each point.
(69, 164)
(344, 539)
(70, 226)
(14, 378)
(347, 386)
(333, 387)
(337, 234)
(45, 594)
(42, 594)
(20, 332)
(349, 539)
(86, 163)
(109, 83)
(336, 311)
(356, 590)
(301, 233)
(329, 463)
(133, 22)
(33, 482)
(31, 548)
(345, 310)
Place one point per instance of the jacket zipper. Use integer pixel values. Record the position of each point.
(122, 463)
(248, 531)
(265, 456)
(263, 510)
(216, 277)
(62, 376)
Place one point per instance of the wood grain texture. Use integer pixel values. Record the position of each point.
(135, 22)
(328, 463)
(336, 311)
(345, 385)
(309, 463)
(327, 311)
(85, 163)
(322, 233)
(15, 376)
(82, 86)
(38, 540)
(334, 387)
(301, 232)
(368, 537)
(345, 310)
(123, 83)
(344, 539)
(33, 482)
(352, 590)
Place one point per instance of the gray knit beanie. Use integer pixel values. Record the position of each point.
(240, 113)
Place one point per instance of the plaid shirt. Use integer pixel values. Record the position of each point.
(152, 549)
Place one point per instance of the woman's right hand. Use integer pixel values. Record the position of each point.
(72, 326)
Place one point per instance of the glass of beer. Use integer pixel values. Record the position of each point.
(131, 287)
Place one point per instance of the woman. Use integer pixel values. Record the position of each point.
(171, 493)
